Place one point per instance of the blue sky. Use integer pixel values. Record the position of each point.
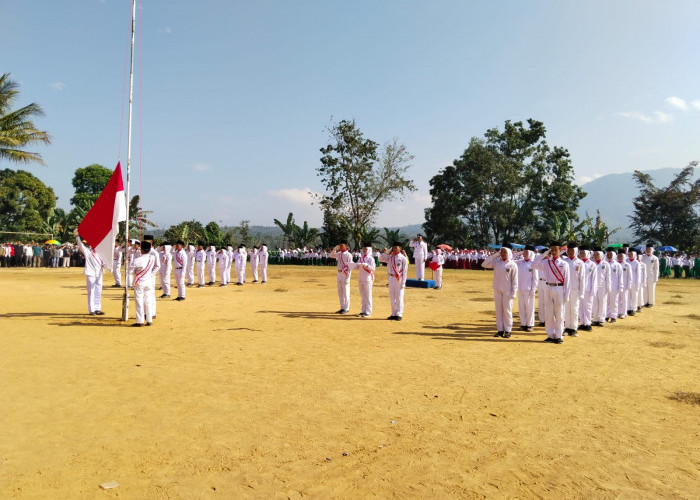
(232, 98)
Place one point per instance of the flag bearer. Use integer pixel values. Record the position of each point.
(93, 277)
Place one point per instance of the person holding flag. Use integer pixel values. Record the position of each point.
(93, 276)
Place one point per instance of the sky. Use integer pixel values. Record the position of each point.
(233, 99)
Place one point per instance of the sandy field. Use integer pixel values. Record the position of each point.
(261, 391)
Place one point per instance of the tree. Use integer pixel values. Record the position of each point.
(504, 187)
(596, 233)
(138, 218)
(358, 178)
(669, 215)
(304, 236)
(190, 231)
(89, 183)
(392, 236)
(16, 128)
(287, 229)
(244, 231)
(25, 201)
(335, 227)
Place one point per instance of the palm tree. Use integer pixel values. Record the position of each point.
(16, 128)
(305, 236)
(288, 229)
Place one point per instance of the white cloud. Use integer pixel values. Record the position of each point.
(165, 30)
(585, 179)
(295, 195)
(202, 167)
(57, 85)
(696, 104)
(676, 102)
(655, 117)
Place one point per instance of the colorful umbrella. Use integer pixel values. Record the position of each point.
(52, 242)
(445, 247)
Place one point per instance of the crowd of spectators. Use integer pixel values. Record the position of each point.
(33, 254)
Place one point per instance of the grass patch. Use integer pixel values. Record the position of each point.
(282, 290)
(677, 296)
(481, 299)
(674, 303)
(691, 398)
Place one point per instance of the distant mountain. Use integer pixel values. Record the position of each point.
(613, 195)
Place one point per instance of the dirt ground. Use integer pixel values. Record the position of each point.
(261, 391)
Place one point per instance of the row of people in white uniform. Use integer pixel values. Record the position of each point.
(582, 289)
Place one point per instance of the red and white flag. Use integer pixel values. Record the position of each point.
(101, 224)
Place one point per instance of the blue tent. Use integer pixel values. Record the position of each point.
(540, 247)
(495, 247)
(517, 246)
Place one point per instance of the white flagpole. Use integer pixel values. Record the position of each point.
(125, 299)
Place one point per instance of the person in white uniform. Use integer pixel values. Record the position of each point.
(133, 253)
(200, 258)
(633, 295)
(152, 294)
(585, 308)
(366, 267)
(240, 256)
(615, 284)
(223, 261)
(229, 262)
(117, 265)
(556, 276)
(166, 268)
(180, 268)
(142, 269)
(397, 269)
(263, 258)
(576, 290)
(344, 267)
(211, 264)
(191, 252)
(93, 277)
(652, 263)
(602, 288)
(541, 303)
(437, 261)
(505, 288)
(641, 299)
(254, 259)
(420, 254)
(625, 284)
(528, 278)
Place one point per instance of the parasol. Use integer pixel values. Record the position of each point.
(52, 242)
(446, 248)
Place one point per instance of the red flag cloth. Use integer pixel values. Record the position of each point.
(434, 266)
(101, 224)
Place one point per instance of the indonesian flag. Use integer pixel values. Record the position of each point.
(101, 224)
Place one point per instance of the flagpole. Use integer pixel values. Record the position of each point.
(125, 299)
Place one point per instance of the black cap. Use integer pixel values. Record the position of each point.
(530, 247)
(146, 245)
(584, 247)
(200, 243)
(597, 249)
(396, 244)
(180, 242)
(627, 245)
(572, 244)
(507, 245)
(650, 245)
(610, 249)
(148, 237)
(555, 244)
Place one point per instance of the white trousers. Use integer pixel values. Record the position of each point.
(571, 310)
(554, 310)
(396, 291)
(129, 279)
(228, 273)
(142, 293)
(640, 295)
(190, 273)
(212, 273)
(585, 309)
(542, 301)
(200, 273)
(504, 310)
(526, 307)
(600, 305)
(613, 298)
(240, 274)
(151, 295)
(180, 281)
(420, 268)
(254, 268)
(94, 292)
(343, 282)
(224, 275)
(650, 291)
(366, 296)
(437, 276)
(632, 299)
(117, 272)
(164, 275)
(622, 303)
(263, 273)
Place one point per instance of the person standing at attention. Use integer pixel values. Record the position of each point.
(420, 253)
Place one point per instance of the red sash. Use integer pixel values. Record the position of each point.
(556, 272)
(397, 273)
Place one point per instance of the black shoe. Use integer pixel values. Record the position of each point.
(210, 283)
(398, 318)
(506, 335)
(99, 313)
(92, 314)
(200, 286)
(362, 315)
(239, 284)
(116, 285)
(149, 324)
(558, 341)
(165, 295)
(340, 311)
(613, 320)
(523, 328)
(137, 324)
(180, 298)
(263, 282)
(639, 309)
(549, 339)
(631, 313)
(607, 319)
(345, 311)
(573, 333)
(499, 334)
(255, 281)
(528, 328)
(392, 317)
(541, 323)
